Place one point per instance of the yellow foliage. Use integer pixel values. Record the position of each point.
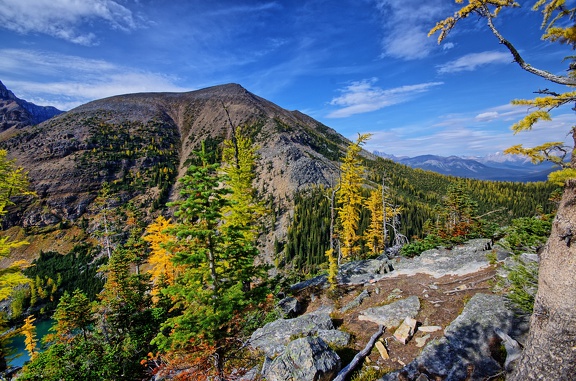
(350, 197)
(13, 182)
(542, 152)
(472, 8)
(560, 177)
(374, 235)
(332, 268)
(29, 332)
(529, 120)
(159, 238)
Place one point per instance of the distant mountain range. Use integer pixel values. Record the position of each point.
(496, 167)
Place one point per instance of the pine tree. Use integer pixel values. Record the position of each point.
(217, 264)
(126, 322)
(74, 312)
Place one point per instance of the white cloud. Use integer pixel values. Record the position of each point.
(487, 116)
(472, 61)
(362, 96)
(406, 24)
(86, 79)
(448, 46)
(467, 134)
(61, 18)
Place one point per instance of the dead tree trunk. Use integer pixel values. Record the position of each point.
(357, 360)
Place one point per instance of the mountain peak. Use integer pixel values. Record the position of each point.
(19, 113)
(5, 93)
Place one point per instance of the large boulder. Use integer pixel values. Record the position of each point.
(470, 347)
(305, 359)
(460, 260)
(273, 337)
(290, 307)
(391, 315)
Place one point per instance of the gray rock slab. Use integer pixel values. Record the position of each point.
(460, 260)
(274, 336)
(469, 339)
(334, 337)
(290, 307)
(319, 281)
(305, 359)
(391, 315)
(464, 259)
(356, 302)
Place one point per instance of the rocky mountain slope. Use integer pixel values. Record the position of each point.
(18, 113)
(142, 143)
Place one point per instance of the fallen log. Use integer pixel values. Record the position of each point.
(345, 372)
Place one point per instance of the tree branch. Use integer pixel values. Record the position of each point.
(562, 80)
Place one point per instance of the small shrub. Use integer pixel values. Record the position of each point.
(370, 373)
(418, 247)
(522, 284)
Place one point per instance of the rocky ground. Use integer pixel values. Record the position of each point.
(447, 296)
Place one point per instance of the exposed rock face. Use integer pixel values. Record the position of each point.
(391, 315)
(273, 337)
(460, 260)
(17, 113)
(290, 307)
(305, 359)
(470, 344)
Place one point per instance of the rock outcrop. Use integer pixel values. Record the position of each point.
(392, 315)
(470, 346)
(305, 359)
(273, 337)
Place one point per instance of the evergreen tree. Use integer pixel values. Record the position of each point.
(238, 160)
(457, 216)
(126, 322)
(74, 312)
(217, 265)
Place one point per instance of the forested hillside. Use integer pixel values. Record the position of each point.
(419, 195)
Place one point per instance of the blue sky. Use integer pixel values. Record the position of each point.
(355, 65)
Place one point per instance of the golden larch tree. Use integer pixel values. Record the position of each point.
(350, 196)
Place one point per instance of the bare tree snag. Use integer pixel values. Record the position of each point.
(345, 372)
